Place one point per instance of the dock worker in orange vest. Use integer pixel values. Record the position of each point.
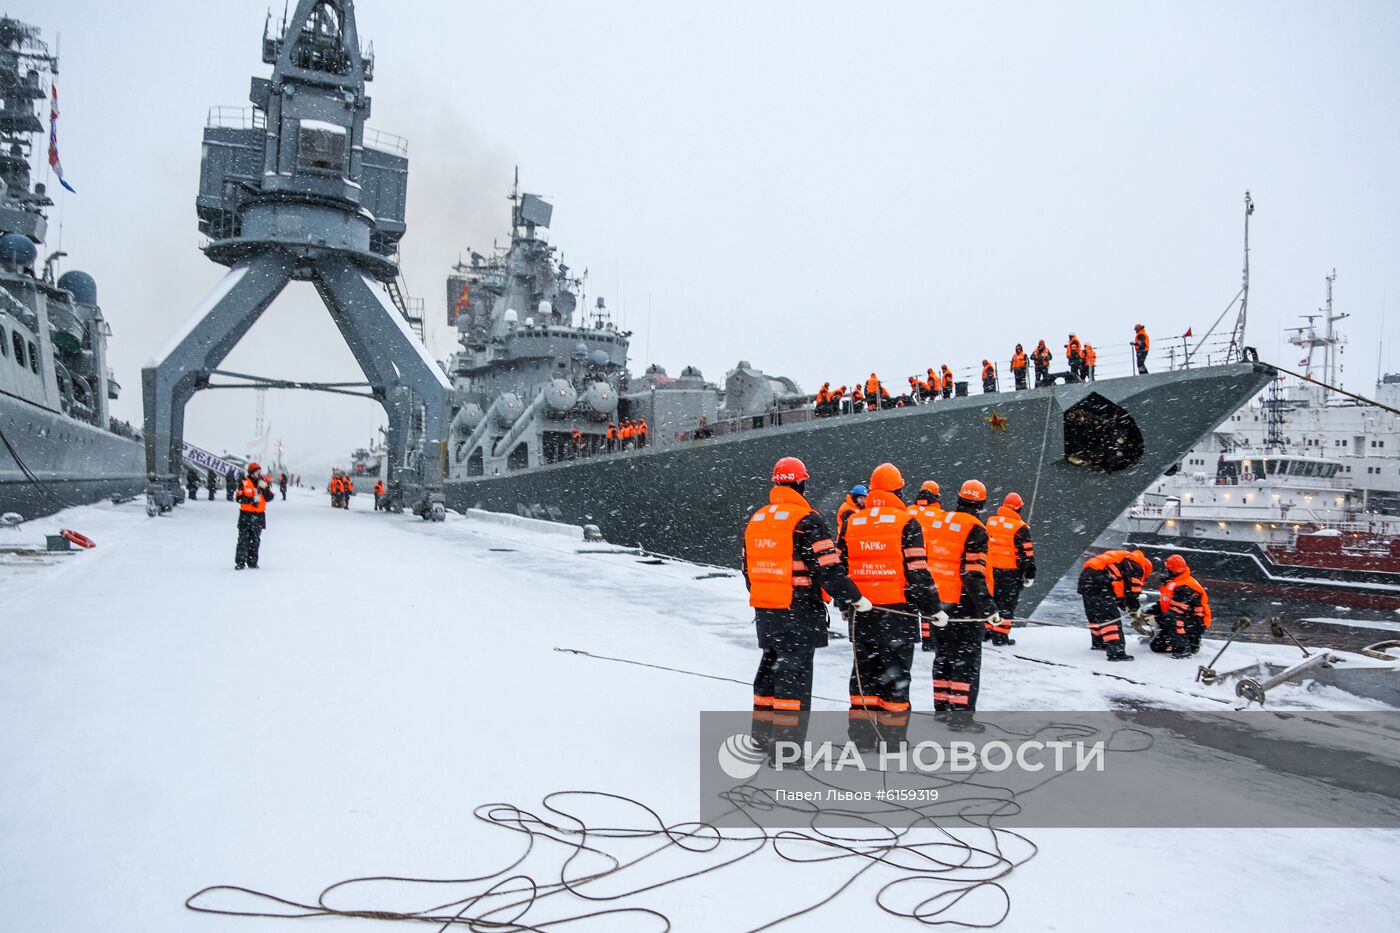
(611, 437)
(884, 548)
(253, 495)
(838, 395)
(643, 432)
(872, 393)
(926, 510)
(1041, 357)
(333, 487)
(823, 403)
(1011, 555)
(857, 400)
(1018, 367)
(957, 557)
(947, 381)
(379, 495)
(935, 383)
(1101, 588)
(1141, 344)
(989, 377)
(1183, 611)
(855, 501)
(791, 567)
(1091, 362)
(1074, 356)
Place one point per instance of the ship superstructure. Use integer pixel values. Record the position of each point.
(58, 442)
(542, 377)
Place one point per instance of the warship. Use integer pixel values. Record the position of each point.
(59, 445)
(541, 382)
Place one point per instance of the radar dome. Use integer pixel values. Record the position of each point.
(601, 398)
(82, 286)
(598, 358)
(17, 251)
(580, 351)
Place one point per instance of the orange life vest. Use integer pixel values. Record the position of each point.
(1072, 348)
(1107, 562)
(379, 489)
(773, 567)
(926, 515)
(847, 509)
(334, 485)
(1091, 356)
(989, 371)
(1167, 598)
(946, 542)
(1141, 341)
(1001, 538)
(875, 548)
(251, 491)
(1018, 360)
(1042, 354)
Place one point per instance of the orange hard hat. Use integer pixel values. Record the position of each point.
(973, 491)
(253, 466)
(789, 470)
(929, 485)
(886, 476)
(1144, 562)
(1177, 564)
(1138, 327)
(1013, 500)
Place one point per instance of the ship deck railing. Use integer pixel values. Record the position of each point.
(251, 118)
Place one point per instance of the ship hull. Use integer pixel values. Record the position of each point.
(691, 500)
(1244, 579)
(76, 462)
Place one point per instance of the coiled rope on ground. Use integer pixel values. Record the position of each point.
(951, 861)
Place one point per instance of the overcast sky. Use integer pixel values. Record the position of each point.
(820, 188)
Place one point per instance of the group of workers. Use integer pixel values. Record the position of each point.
(632, 432)
(232, 481)
(920, 574)
(1081, 360)
(341, 487)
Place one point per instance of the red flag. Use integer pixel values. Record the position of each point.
(1188, 332)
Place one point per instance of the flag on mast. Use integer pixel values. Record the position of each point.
(54, 162)
(1188, 332)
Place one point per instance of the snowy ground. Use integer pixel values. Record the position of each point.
(170, 724)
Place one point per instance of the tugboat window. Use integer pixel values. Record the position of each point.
(19, 348)
(321, 146)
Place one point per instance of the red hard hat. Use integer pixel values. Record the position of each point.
(1137, 327)
(886, 476)
(973, 491)
(1013, 500)
(1177, 564)
(789, 470)
(253, 466)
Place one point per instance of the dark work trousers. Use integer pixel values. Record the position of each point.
(1020, 375)
(1006, 591)
(784, 679)
(883, 649)
(1142, 362)
(1101, 610)
(1187, 637)
(957, 667)
(1042, 375)
(250, 529)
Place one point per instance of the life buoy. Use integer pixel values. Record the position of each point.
(80, 540)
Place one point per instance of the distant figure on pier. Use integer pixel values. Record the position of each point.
(253, 496)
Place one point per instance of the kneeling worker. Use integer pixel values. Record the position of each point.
(790, 563)
(884, 548)
(1184, 611)
(1011, 554)
(957, 555)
